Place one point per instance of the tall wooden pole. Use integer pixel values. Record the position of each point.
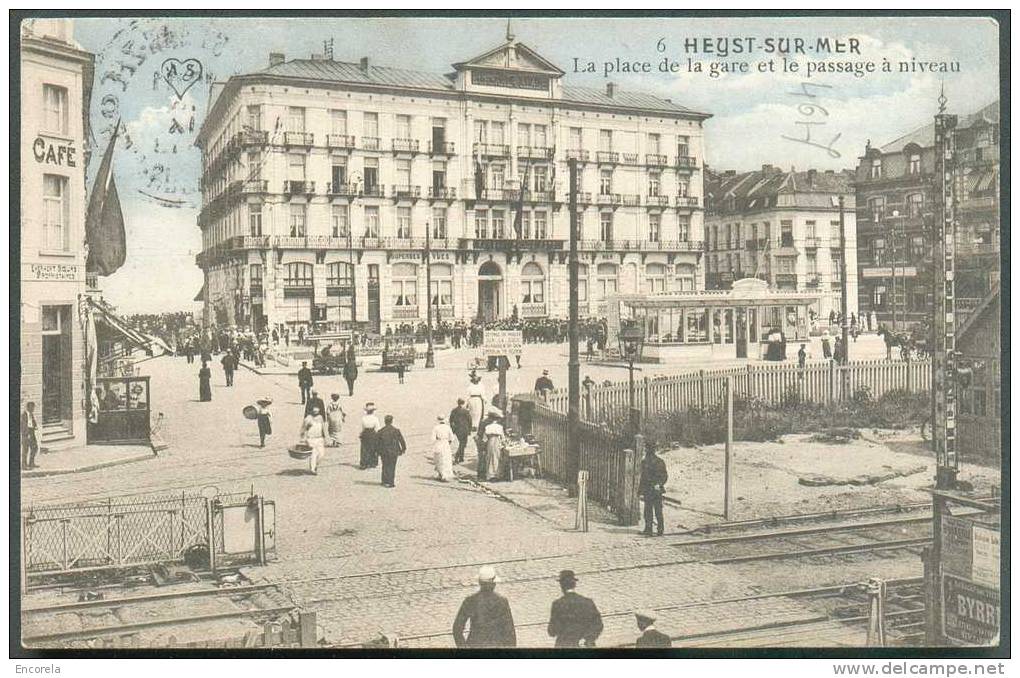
(846, 283)
(574, 361)
(728, 464)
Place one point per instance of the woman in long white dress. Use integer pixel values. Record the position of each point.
(335, 417)
(476, 401)
(442, 452)
(313, 432)
(494, 439)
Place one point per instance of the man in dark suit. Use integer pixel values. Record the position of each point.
(390, 443)
(650, 636)
(229, 365)
(491, 622)
(651, 487)
(304, 381)
(29, 440)
(573, 619)
(460, 422)
(315, 401)
(543, 384)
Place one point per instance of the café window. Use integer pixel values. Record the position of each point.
(55, 109)
(297, 221)
(439, 223)
(298, 274)
(532, 284)
(340, 221)
(56, 214)
(403, 222)
(372, 221)
(255, 219)
(405, 285)
(441, 293)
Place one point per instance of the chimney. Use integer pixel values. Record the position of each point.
(364, 64)
(610, 89)
(276, 58)
(812, 175)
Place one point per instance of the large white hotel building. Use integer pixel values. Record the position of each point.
(321, 177)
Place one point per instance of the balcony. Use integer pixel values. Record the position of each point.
(370, 143)
(657, 201)
(812, 281)
(373, 191)
(629, 158)
(442, 193)
(498, 194)
(252, 137)
(534, 310)
(507, 244)
(687, 201)
(812, 242)
(293, 242)
(492, 150)
(607, 157)
(405, 312)
(341, 190)
(535, 152)
(631, 200)
(540, 196)
(656, 160)
(325, 242)
(686, 162)
(405, 145)
(609, 199)
(249, 242)
(405, 192)
(577, 154)
(298, 138)
(441, 148)
(340, 141)
(302, 187)
(583, 198)
(254, 186)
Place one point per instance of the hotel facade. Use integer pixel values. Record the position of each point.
(321, 178)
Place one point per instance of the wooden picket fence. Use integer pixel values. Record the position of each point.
(821, 383)
(613, 469)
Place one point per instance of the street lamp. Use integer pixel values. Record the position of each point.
(632, 342)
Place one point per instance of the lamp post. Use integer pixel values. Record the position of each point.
(632, 341)
(430, 355)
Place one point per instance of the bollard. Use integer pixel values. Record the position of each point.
(581, 523)
(876, 615)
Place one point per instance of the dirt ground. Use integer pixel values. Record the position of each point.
(766, 476)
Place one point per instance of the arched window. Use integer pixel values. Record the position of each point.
(442, 285)
(405, 285)
(685, 277)
(606, 282)
(915, 204)
(298, 274)
(656, 275)
(532, 284)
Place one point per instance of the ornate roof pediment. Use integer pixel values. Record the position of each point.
(514, 56)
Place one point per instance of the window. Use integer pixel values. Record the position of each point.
(255, 219)
(340, 218)
(786, 233)
(539, 137)
(683, 228)
(297, 221)
(403, 222)
(656, 274)
(526, 225)
(683, 188)
(403, 172)
(540, 225)
(339, 172)
(606, 226)
(56, 215)
(786, 265)
(498, 224)
(254, 118)
(339, 120)
(685, 277)
(439, 223)
(496, 133)
(255, 274)
(810, 229)
(372, 221)
(438, 175)
(915, 164)
(298, 274)
(575, 138)
(877, 208)
(482, 224)
(654, 143)
(371, 124)
(254, 165)
(405, 285)
(654, 184)
(541, 179)
(876, 168)
(441, 293)
(532, 284)
(403, 127)
(683, 146)
(295, 119)
(296, 166)
(878, 251)
(55, 109)
(339, 274)
(497, 177)
(697, 325)
(523, 134)
(582, 283)
(371, 174)
(654, 227)
(606, 182)
(837, 268)
(915, 204)
(605, 140)
(606, 280)
(812, 265)
(917, 248)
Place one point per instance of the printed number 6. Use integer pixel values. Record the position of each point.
(660, 46)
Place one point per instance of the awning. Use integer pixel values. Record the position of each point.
(201, 294)
(106, 316)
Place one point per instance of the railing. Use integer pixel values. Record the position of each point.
(540, 196)
(405, 191)
(495, 150)
(656, 160)
(607, 157)
(292, 242)
(294, 187)
(442, 192)
(402, 243)
(577, 154)
(370, 143)
(629, 158)
(686, 162)
(325, 242)
(536, 152)
(687, 201)
(405, 312)
(441, 148)
(657, 201)
(405, 145)
(374, 191)
(255, 186)
(506, 244)
(298, 138)
(631, 200)
(249, 242)
(498, 194)
(340, 141)
(342, 189)
(252, 137)
(534, 310)
(820, 383)
(583, 198)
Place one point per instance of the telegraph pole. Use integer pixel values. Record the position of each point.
(430, 355)
(574, 362)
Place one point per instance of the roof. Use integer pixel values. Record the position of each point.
(759, 189)
(925, 136)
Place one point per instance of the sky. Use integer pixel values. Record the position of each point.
(757, 117)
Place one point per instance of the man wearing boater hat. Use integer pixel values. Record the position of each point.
(573, 617)
(489, 616)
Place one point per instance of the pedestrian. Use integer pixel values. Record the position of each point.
(305, 381)
(802, 356)
(29, 438)
(543, 384)
(335, 417)
(476, 400)
(838, 351)
(276, 337)
(826, 346)
(492, 467)
(228, 367)
(442, 453)
(401, 367)
(651, 487)
(390, 443)
(263, 417)
(650, 636)
(517, 356)
(350, 371)
(574, 619)
(487, 615)
(314, 401)
(460, 422)
(313, 433)
(204, 385)
(370, 426)
(590, 345)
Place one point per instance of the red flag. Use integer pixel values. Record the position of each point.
(104, 221)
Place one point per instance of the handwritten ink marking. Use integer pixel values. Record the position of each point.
(181, 75)
(809, 110)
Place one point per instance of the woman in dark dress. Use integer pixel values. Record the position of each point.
(204, 378)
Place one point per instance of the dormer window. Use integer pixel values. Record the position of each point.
(914, 166)
(876, 168)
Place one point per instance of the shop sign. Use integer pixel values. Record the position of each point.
(970, 612)
(69, 272)
(54, 152)
(502, 342)
(985, 561)
(887, 272)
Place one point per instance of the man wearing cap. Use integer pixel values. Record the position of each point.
(491, 622)
(651, 487)
(370, 426)
(460, 422)
(650, 636)
(304, 381)
(573, 617)
(543, 384)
